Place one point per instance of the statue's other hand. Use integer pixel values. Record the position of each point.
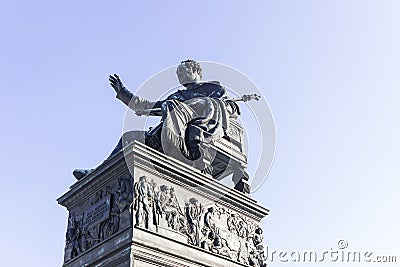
(116, 83)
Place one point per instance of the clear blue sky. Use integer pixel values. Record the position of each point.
(329, 70)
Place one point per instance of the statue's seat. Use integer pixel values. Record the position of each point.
(230, 157)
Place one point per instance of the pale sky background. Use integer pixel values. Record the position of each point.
(330, 71)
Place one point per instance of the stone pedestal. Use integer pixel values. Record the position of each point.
(142, 208)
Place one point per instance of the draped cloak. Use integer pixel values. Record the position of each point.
(191, 118)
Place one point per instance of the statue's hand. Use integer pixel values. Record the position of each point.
(251, 97)
(116, 83)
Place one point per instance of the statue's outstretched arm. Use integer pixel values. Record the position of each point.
(134, 102)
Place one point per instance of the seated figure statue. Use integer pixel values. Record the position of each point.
(191, 118)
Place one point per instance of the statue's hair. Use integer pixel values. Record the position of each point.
(196, 67)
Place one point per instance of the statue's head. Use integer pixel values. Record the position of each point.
(164, 188)
(189, 71)
(193, 201)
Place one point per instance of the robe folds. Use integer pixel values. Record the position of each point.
(192, 118)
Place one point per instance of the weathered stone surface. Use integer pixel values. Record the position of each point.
(148, 209)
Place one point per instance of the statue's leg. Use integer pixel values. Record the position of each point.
(126, 139)
(240, 178)
(117, 148)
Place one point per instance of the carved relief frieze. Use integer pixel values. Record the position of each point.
(102, 215)
(214, 228)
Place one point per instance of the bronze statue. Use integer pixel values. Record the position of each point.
(191, 118)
